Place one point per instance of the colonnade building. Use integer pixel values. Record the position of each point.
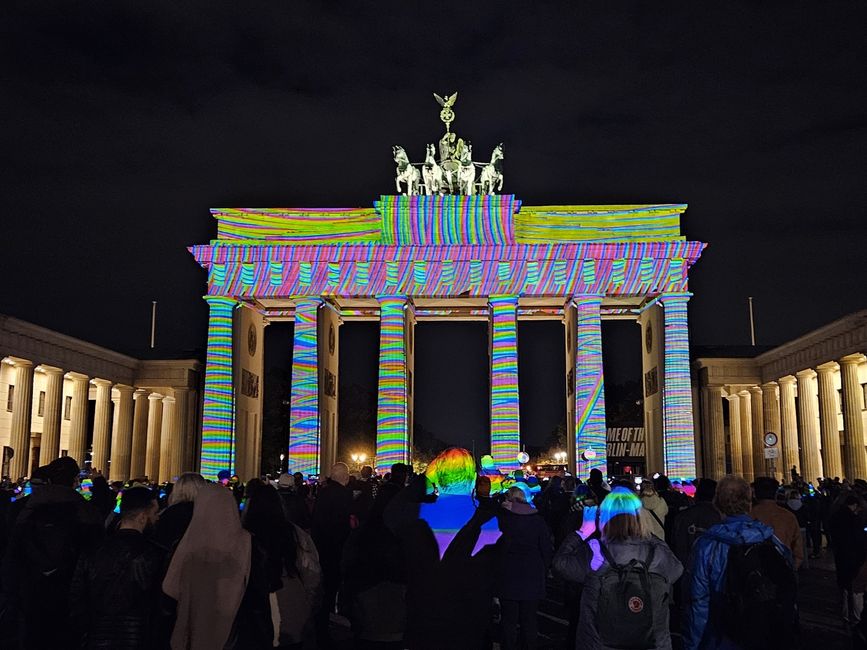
(61, 396)
(809, 394)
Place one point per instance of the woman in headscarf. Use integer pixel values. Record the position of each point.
(210, 575)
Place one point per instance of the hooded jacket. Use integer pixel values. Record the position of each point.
(526, 552)
(708, 570)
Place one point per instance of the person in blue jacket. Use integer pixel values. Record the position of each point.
(707, 565)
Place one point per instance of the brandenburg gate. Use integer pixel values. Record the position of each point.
(448, 247)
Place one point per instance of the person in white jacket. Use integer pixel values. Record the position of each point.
(653, 510)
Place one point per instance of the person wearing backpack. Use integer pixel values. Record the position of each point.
(742, 588)
(626, 575)
(653, 510)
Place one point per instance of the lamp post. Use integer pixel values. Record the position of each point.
(358, 459)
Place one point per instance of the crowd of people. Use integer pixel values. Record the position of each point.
(456, 557)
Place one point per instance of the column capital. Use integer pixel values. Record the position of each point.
(769, 386)
(732, 397)
(140, 392)
(674, 296)
(744, 393)
(15, 362)
(123, 388)
(168, 399)
(585, 298)
(828, 368)
(101, 383)
(77, 377)
(806, 374)
(755, 390)
(155, 397)
(220, 300)
(787, 380)
(49, 370)
(509, 301)
(853, 359)
(715, 390)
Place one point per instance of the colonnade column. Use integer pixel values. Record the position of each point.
(49, 446)
(78, 423)
(678, 436)
(789, 424)
(101, 426)
(590, 442)
(303, 452)
(218, 408)
(154, 428)
(771, 418)
(747, 435)
(166, 439)
(735, 434)
(853, 425)
(139, 444)
(19, 432)
(121, 434)
(831, 458)
(808, 408)
(505, 413)
(392, 417)
(177, 465)
(756, 409)
(715, 451)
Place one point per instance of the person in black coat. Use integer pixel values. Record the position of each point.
(114, 588)
(847, 541)
(49, 535)
(330, 529)
(525, 555)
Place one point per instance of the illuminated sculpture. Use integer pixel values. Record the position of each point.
(473, 256)
(491, 177)
(406, 173)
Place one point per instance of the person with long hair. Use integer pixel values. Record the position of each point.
(291, 564)
(625, 546)
(210, 575)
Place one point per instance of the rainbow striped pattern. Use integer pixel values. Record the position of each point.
(298, 226)
(589, 387)
(392, 434)
(218, 409)
(505, 421)
(678, 439)
(303, 450)
(447, 220)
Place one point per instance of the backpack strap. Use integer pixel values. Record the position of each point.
(650, 555)
(608, 557)
(656, 516)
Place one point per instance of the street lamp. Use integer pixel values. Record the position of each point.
(560, 456)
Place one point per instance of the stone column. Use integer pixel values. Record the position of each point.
(747, 435)
(49, 447)
(679, 436)
(303, 453)
(715, 454)
(828, 424)
(139, 445)
(757, 410)
(735, 434)
(78, 423)
(218, 426)
(121, 433)
(179, 433)
(789, 424)
(808, 424)
(19, 430)
(590, 441)
(771, 421)
(853, 424)
(392, 418)
(505, 410)
(101, 426)
(155, 424)
(167, 438)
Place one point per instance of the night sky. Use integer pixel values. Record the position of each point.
(123, 122)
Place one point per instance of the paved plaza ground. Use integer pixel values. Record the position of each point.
(821, 622)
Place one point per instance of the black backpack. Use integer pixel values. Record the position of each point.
(629, 595)
(758, 608)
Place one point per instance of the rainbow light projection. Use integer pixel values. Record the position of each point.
(392, 434)
(589, 387)
(420, 248)
(678, 442)
(505, 421)
(218, 404)
(303, 452)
